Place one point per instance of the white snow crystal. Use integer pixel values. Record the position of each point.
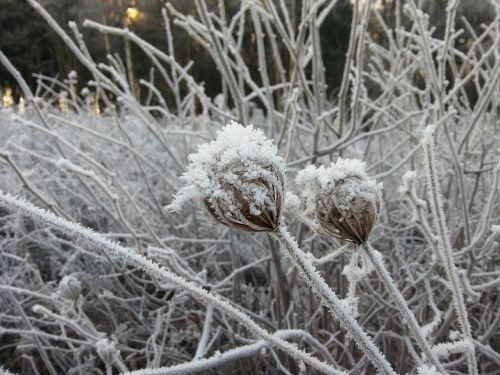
(444, 350)
(69, 287)
(4, 371)
(409, 179)
(292, 202)
(343, 180)
(238, 159)
(106, 350)
(427, 133)
(426, 370)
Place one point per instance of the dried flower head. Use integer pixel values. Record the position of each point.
(69, 288)
(239, 178)
(107, 351)
(344, 200)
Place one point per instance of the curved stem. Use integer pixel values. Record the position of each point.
(444, 245)
(321, 288)
(411, 320)
(101, 243)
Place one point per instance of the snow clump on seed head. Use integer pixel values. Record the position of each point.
(344, 200)
(239, 178)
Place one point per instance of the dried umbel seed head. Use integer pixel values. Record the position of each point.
(107, 351)
(255, 204)
(343, 199)
(69, 288)
(239, 178)
(352, 222)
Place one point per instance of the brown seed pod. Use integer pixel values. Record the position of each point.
(239, 177)
(343, 199)
(352, 223)
(239, 211)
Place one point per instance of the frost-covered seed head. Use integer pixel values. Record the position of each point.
(69, 288)
(344, 200)
(106, 350)
(239, 178)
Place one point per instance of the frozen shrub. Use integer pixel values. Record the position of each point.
(110, 159)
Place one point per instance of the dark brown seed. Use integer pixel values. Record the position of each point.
(243, 219)
(353, 224)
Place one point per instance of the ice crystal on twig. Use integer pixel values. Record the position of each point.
(427, 370)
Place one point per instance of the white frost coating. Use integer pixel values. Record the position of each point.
(409, 179)
(154, 269)
(4, 371)
(408, 187)
(444, 350)
(65, 164)
(292, 202)
(106, 350)
(104, 345)
(203, 365)
(38, 309)
(427, 370)
(408, 315)
(351, 306)
(454, 335)
(330, 300)
(427, 329)
(69, 287)
(444, 246)
(321, 181)
(208, 171)
(427, 133)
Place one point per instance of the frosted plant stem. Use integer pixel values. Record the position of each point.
(321, 288)
(202, 345)
(203, 365)
(154, 269)
(444, 245)
(222, 60)
(410, 319)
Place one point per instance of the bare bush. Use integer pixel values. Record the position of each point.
(151, 292)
